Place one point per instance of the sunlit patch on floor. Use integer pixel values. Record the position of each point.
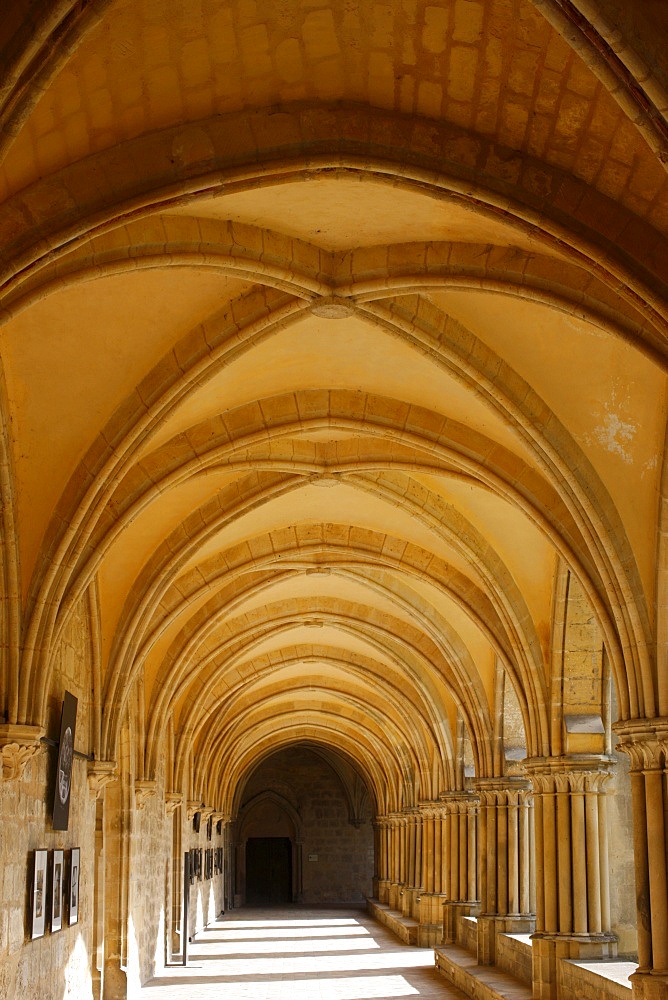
(300, 958)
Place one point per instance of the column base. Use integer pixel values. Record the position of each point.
(383, 890)
(409, 901)
(115, 982)
(491, 924)
(580, 946)
(649, 985)
(394, 899)
(430, 917)
(549, 949)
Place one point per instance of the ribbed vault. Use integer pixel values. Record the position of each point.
(320, 364)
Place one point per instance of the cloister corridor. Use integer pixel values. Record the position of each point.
(300, 954)
(303, 953)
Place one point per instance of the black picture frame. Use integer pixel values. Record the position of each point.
(63, 783)
(38, 893)
(73, 887)
(57, 886)
(196, 821)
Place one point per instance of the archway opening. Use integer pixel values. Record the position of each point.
(305, 833)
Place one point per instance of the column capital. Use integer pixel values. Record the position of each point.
(18, 745)
(145, 789)
(432, 809)
(100, 774)
(172, 802)
(465, 798)
(570, 773)
(645, 741)
(505, 790)
(193, 806)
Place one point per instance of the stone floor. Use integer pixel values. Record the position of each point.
(301, 954)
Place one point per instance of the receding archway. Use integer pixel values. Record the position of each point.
(304, 831)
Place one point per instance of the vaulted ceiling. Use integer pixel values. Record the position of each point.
(329, 331)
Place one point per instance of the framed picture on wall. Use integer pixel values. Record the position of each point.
(38, 894)
(57, 891)
(75, 868)
(61, 794)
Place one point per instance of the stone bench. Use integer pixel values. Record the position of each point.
(405, 928)
(482, 982)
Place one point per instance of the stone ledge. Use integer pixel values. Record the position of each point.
(577, 979)
(482, 982)
(405, 928)
(599, 979)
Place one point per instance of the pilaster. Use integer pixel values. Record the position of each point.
(645, 741)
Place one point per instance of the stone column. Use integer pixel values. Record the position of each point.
(505, 857)
(100, 774)
(378, 856)
(572, 893)
(117, 826)
(394, 898)
(646, 743)
(459, 815)
(382, 886)
(173, 800)
(429, 900)
(411, 864)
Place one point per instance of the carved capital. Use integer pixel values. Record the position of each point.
(645, 741)
(457, 802)
(145, 789)
(504, 791)
(100, 774)
(193, 806)
(172, 802)
(18, 746)
(577, 773)
(435, 809)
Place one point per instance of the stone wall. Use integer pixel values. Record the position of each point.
(337, 857)
(57, 966)
(513, 955)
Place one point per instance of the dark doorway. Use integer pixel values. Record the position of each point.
(268, 871)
